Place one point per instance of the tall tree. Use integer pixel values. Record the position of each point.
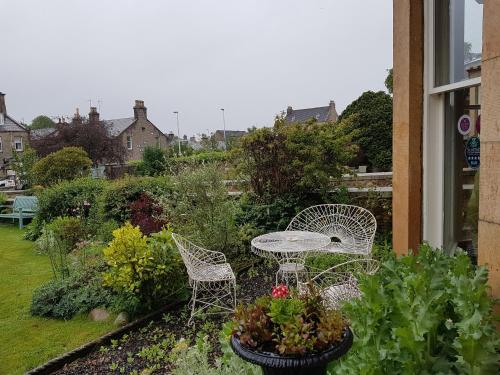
(94, 137)
(371, 118)
(42, 122)
(388, 81)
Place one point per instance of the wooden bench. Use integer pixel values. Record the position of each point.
(24, 207)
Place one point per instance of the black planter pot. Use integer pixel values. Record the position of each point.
(313, 364)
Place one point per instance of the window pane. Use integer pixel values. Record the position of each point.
(458, 36)
(461, 176)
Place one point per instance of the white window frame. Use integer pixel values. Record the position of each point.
(130, 145)
(16, 143)
(433, 137)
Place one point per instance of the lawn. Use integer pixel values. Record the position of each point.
(26, 341)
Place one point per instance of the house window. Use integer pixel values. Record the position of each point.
(458, 40)
(129, 142)
(1, 145)
(18, 144)
(2, 118)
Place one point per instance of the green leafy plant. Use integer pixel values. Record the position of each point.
(205, 211)
(153, 162)
(293, 158)
(423, 314)
(148, 269)
(66, 164)
(287, 323)
(23, 163)
(69, 230)
(69, 198)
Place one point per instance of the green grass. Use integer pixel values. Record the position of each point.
(27, 341)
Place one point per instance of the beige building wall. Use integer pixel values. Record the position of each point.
(408, 18)
(489, 184)
(143, 133)
(7, 139)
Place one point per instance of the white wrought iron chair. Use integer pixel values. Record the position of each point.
(351, 228)
(340, 282)
(210, 276)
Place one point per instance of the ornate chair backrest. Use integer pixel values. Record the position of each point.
(193, 256)
(352, 225)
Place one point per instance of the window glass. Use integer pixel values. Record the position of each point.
(1, 145)
(458, 38)
(461, 169)
(129, 142)
(18, 144)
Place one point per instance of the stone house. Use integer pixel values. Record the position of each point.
(136, 133)
(13, 137)
(320, 114)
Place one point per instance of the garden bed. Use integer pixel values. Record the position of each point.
(148, 348)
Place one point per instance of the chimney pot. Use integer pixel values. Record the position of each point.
(289, 110)
(140, 111)
(3, 107)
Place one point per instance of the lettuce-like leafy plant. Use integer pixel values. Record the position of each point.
(423, 314)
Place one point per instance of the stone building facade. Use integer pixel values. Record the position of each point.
(434, 88)
(13, 137)
(136, 133)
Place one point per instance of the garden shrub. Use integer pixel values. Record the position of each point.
(69, 230)
(423, 314)
(118, 195)
(147, 214)
(66, 164)
(205, 212)
(177, 164)
(153, 162)
(57, 251)
(3, 198)
(63, 298)
(295, 158)
(69, 198)
(148, 268)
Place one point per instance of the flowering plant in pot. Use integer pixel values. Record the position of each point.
(290, 333)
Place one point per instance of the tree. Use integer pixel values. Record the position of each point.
(42, 122)
(94, 138)
(66, 164)
(23, 166)
(371, 117)
(388, 81)
(293, 158)
(153, 162)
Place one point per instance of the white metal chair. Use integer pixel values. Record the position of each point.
(351, 228)
(340, 282)
(210, 276)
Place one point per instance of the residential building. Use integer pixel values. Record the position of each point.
(446, 128)
(230, 136)
(13, 137)
(320, 114)
(136, 132)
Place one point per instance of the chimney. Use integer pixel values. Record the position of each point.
(332, 112)
(3, 108)
(93, 116)
(139, 110)
(77, 119)
(289, 110)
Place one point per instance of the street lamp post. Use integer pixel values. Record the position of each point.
(178, 131)
(224, 124)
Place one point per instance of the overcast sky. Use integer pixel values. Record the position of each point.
(252, 57)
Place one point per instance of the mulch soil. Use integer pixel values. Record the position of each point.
(146, 350)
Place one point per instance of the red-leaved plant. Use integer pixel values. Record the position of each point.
(146, 213)
(288, 323)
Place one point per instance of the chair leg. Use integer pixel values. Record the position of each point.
(193, 302)
(234, 294)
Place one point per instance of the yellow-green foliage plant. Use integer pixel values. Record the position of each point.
(146, 268)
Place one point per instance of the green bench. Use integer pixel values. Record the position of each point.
(24, 207)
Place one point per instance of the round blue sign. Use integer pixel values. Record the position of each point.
(472, 152)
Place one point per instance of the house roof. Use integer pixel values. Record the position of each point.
(303, 115)
(118, 125)
(11, 125)
(42, 133)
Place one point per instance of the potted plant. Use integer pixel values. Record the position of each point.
(290, 333)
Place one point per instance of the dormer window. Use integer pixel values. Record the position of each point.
(129, 142)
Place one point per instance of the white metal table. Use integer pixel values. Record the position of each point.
(290, 249)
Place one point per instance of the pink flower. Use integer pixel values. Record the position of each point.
(280, 291)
